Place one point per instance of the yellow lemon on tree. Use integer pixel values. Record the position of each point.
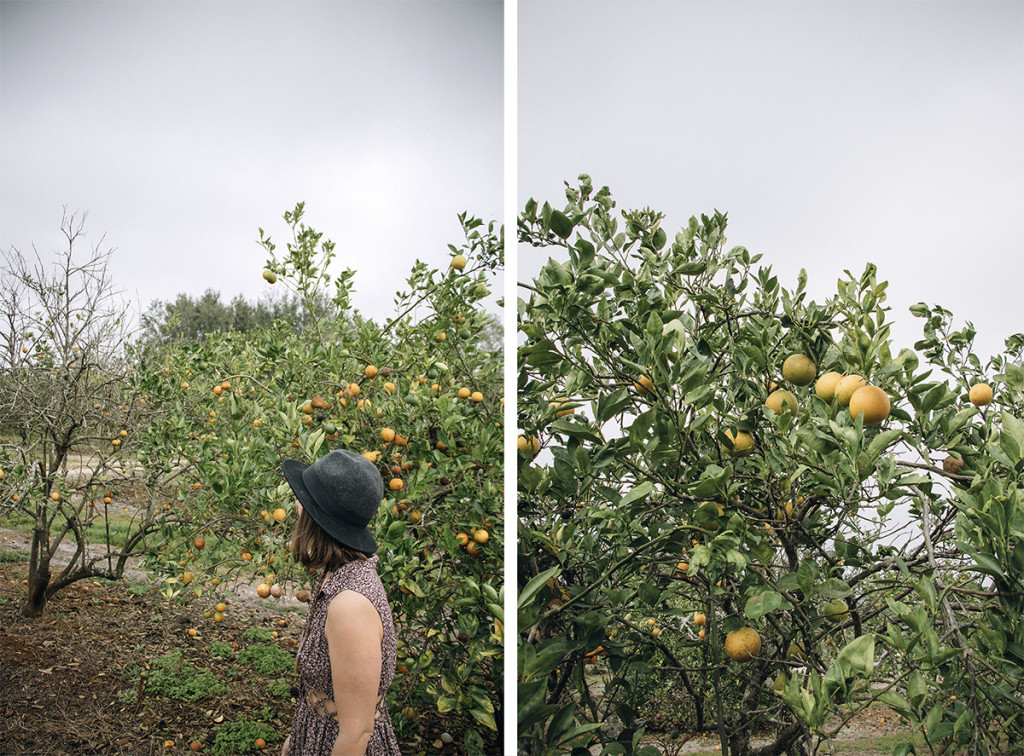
(699, 619)
(743, 645)
(459, 262)
(871, 402)
(825, 388)
(980, 394)
(799, 369)
(847, 386)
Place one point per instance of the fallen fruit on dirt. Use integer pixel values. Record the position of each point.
(263, 590)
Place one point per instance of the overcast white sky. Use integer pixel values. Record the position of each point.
(833, 133)
(182, 127)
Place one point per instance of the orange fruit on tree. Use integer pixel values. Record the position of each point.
(826, 385)
(353, 389)
(396, 484)
(464, 393)
(218, 616)
(561, 403)
(462, 539)
(390, 387)
(742, 443)
(481, 536)
(799, 369)
(699, 619)
(370, 371)
(847, 386)
(218, 390)
(459, 262)
(387, 435)
(477, 397)
(871, 402)
(401, 440)
(780, 401)
(644, 385)
(415, 515)
(980, 394)
(55, 496)
(280, 515)
(221, 607)
(743, 645)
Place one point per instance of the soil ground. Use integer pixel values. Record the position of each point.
(69, 681)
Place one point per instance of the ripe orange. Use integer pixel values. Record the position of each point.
(263, 590)
(218, 616)
(980, 394)
(193, 632)
(699, 619)
(55, 496)
(781, 400)
(528, 445)
(387, 435)
(871, 402)
(462, 539)
(247, 556)
(644, 385)
(218, 390)
(743, 645)
(561, 403)
(280, 515)
(825, 388)
(742, 443)
(847, 386)
(401, 440)
(481, 536)
(370, 371)
(464, 393)
(473, 548)
(415, 515)
(186, 577)
(261, 743)
(221, 607)
(477, 397)
(396, 484)
(390, 387)
(353, 389)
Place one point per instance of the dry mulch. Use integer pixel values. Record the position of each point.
(66, 678)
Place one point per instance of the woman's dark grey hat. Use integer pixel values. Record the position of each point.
(341, 492)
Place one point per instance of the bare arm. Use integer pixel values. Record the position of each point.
(354, 633)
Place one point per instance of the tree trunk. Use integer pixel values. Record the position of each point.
(38, 575)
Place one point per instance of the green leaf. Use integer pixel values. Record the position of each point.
(533, 587)
(763, 603)
(1013, 427)
(640, 492)
(858, 656)
(560, 224)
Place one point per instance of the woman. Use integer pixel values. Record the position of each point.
(346, 659)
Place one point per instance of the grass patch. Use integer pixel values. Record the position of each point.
(121, 526)
(219, 649)
(258, 634)
(13, 556)
(883, 743)
(280, 688)
(269, 660)
(240, 736)
(172, 676)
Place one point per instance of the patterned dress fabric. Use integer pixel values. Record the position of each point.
(314, 727)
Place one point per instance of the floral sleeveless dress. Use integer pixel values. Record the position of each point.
(314, 727)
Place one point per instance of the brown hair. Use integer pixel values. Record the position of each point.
(315, 549)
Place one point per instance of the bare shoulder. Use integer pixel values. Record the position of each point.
(351, 611)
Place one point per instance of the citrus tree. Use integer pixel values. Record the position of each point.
(419, 395)
(737, 494)
(70, 418)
